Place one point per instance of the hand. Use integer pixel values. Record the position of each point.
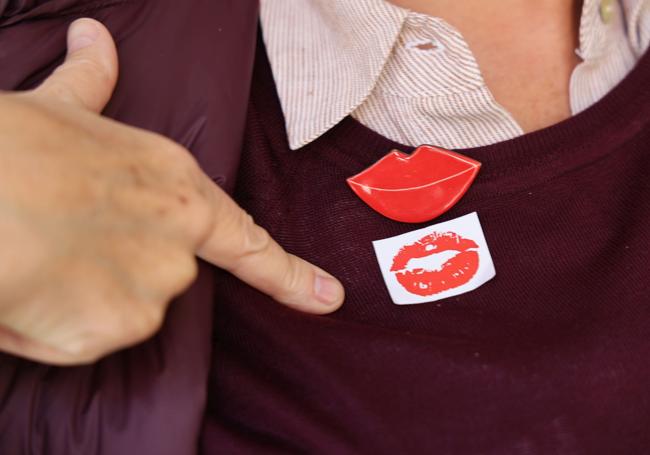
(100, 222)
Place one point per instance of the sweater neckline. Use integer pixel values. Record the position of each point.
(584, 138)
(508, 166)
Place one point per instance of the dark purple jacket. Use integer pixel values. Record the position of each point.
(185, 72)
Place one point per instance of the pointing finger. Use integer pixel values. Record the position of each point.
(246, 250)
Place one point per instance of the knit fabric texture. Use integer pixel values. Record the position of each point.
(551, 356)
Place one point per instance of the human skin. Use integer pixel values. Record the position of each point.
(525, 50)
(100, 223)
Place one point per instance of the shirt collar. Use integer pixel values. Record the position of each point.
(309, 41)
(637, 14)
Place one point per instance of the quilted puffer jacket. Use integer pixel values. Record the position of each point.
(185, 73)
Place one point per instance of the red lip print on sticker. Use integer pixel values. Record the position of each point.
(454, 273)
(418, 187)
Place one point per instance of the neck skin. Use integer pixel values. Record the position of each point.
(525, 49)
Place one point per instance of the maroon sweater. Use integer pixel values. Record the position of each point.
(551, 356)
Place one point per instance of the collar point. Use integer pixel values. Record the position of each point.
(296, 143)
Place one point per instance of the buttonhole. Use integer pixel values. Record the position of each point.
(427, 45)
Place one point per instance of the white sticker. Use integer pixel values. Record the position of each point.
(436, 262)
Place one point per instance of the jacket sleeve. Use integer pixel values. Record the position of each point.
(185, 70)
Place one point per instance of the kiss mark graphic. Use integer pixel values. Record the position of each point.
(435, 262)
(457, 271)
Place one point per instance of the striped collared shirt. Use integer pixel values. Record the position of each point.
(334, 58)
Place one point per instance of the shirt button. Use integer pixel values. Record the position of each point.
(607, 10)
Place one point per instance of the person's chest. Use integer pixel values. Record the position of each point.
(547, 357)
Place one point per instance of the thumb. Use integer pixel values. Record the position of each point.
(88, 75)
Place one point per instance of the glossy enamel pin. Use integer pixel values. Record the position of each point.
(418, 187)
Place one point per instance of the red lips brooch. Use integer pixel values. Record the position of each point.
(418, 187)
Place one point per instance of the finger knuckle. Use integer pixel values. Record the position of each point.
(84, 349)
(178, 156)
(144, 322)
(179, 187)
(293, 282)
(81, 71)
(180, 276)
(189, 270)
(197, 217)
(255, 239)
(163, 151)
(63, 92)
(91, 68)
(181, 167)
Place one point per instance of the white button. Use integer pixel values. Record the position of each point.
(607, 10)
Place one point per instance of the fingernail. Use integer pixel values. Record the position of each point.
(327, 290)
(82, 34)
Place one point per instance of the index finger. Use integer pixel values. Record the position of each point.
(237, 244)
